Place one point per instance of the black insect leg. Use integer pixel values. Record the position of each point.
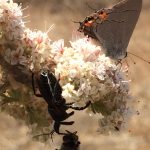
(80, 108)
(119, 62)
(57, 126)
(33, 86)
(71, 132)
(70, 114)
(67, 123)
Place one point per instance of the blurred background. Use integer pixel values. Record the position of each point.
(62, 13)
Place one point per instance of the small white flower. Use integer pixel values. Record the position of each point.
(58, 46)
(8, 55)
(1, 76)
(73, 73)
(17, 56)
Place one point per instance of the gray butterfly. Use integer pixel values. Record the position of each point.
(113, 27)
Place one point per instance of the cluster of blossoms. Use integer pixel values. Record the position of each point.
(1, 82)
(11, 24)
(11, 30)
(88, 75)
(20, 44)
(85, 72)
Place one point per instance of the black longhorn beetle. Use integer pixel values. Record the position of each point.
(51, 91)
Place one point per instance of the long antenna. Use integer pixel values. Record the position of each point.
(90, 6)
(139, 57)
(132, 60)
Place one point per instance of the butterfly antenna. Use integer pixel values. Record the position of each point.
(132, 60)
(90, 6)
(76, 21)
(139, 57)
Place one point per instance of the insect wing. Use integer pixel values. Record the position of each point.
(88, 31)
(115, 32)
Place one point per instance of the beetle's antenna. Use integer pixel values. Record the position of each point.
(45, 134)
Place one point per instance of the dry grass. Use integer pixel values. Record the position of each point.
(13, 133)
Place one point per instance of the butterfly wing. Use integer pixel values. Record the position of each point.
(115, 32)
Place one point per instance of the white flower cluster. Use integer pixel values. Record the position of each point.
(86, 74)
(11, 24)
(37, 49)
(20, 44)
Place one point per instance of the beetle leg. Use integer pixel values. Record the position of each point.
(67, 115)
(67, 123)
(71, 132)
(70, 114)
(57, 126)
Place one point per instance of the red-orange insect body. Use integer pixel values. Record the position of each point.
(89, 23)
(103, 15)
